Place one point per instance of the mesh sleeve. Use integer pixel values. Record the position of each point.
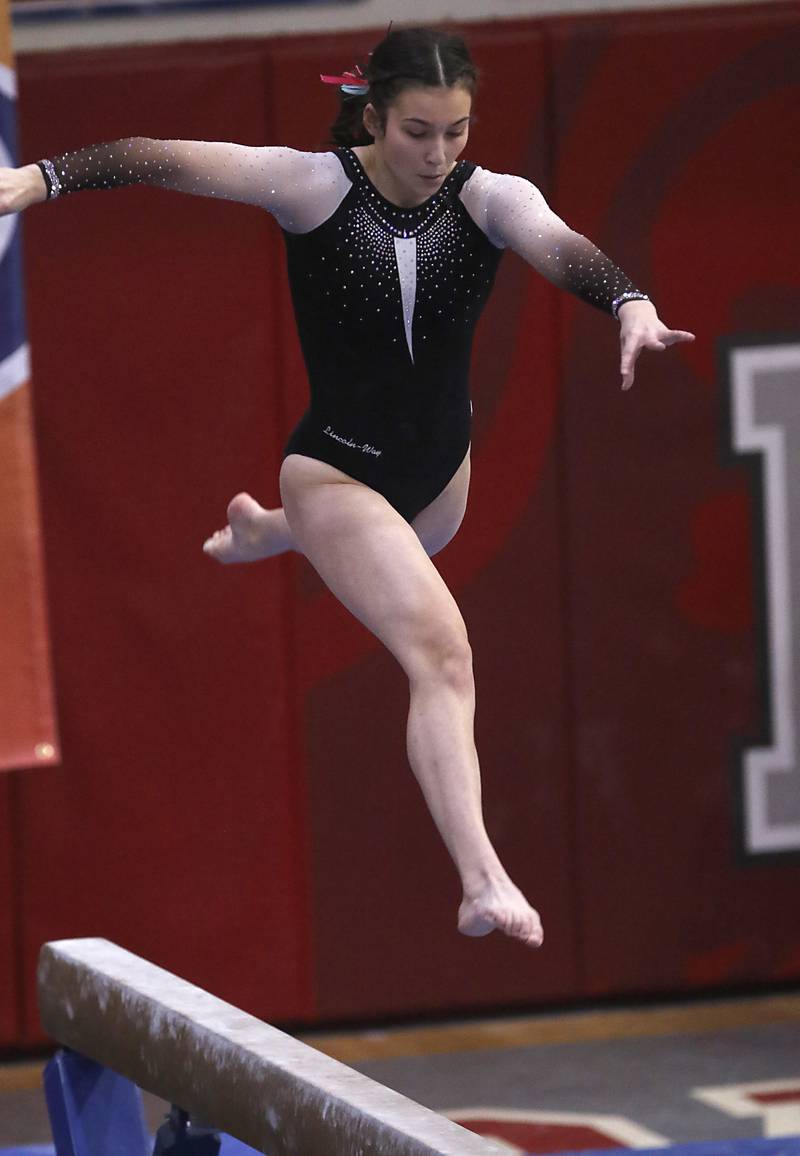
(514, 214)
(297, 187)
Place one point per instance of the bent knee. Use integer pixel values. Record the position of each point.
(444, 655)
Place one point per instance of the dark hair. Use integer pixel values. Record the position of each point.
(407, 57)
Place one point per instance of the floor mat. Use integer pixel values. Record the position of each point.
(644, 1092)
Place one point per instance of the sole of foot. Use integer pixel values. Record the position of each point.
(513, 917)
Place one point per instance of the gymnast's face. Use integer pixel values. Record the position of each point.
(426, 131)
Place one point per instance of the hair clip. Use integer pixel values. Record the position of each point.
(353, 83)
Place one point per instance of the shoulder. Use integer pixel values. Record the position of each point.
(298, 165)
(500, 186)
(304, 187)
(491, 198)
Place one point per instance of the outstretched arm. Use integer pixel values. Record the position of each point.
(517, 216)
(277, 179)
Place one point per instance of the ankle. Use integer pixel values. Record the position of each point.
(475, 882)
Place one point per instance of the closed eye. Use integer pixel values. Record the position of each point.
(453, 135)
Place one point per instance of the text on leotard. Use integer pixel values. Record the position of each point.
(365, 447)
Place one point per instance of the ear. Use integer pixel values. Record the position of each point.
(372, 122)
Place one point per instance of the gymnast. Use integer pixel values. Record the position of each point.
(392, 246)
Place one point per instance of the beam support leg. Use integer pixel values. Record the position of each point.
(92, 1109)
(177, 1136)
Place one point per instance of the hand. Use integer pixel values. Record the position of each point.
(20, 188)
(640, 328)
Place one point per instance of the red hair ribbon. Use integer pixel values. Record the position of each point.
(355, 80)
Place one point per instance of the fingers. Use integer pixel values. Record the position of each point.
(633, 344)
(627, 366)
(630, 352)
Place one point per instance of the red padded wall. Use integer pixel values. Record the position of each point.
(659, 526)
(234, 799)
(175, 824)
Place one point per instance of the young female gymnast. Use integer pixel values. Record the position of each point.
(392, 246)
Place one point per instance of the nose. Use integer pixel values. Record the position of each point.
(436, 156)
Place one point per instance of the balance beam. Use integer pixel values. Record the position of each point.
(226, 1068)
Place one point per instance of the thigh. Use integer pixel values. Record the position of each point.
(439, 521)
(370, 558)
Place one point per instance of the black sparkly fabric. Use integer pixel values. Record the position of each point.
(386, 301)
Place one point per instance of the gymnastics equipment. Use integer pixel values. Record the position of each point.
(127, 1024)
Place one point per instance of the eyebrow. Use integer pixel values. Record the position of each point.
(427, 123)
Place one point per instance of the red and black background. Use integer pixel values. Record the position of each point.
(234, 800)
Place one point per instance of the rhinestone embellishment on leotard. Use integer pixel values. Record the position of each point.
(416, 264)
(54, 187)
(399, 222)
(635, 295)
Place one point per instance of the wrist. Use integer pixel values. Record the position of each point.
(36, 187)
(48, 179)
(627, 299)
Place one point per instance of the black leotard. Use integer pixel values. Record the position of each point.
(386, 301)
(386, 298)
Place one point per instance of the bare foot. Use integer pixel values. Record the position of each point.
(500, 906)
(252, 533)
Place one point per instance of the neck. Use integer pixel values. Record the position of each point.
(371, 158)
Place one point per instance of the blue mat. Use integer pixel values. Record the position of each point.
(781, 1146)
(230, 1147)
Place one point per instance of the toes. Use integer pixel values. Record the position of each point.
(523, 925)
(536, 937)
(528, 928)
(215, 543)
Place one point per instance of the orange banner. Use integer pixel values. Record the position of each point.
(27, 716)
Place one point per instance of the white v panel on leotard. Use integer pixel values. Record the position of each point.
(405, 249)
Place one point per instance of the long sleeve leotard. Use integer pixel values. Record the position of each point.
(386, 298)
